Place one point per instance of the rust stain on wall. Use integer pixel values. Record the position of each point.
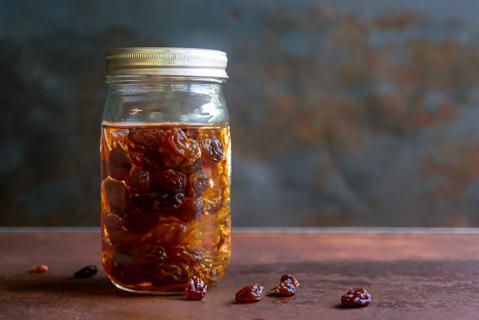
(342, 114)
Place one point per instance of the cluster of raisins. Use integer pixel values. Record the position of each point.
(165, 205)
(287, 287)
(254, 293)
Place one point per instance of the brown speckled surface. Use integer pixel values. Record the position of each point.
(410, 275)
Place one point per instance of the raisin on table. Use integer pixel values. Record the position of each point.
(356, 298)
(293, 279)
(285, 289)
(249, 294)
(196, 288)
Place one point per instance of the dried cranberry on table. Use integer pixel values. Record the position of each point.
(196, 288)
(86, 272)
(39, 268)
(285, 289)
(249, 294)
(356, 298)
(293, 279)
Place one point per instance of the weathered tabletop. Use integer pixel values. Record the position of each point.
(411, 275)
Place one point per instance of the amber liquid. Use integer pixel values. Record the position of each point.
(165, 200)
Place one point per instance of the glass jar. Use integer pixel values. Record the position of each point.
(166, 166)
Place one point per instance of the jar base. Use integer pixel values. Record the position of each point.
(147, 292)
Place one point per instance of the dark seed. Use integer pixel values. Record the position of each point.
(86, 272)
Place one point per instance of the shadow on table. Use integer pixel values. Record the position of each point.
(96, 286)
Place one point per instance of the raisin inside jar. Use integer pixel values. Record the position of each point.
(165, 205)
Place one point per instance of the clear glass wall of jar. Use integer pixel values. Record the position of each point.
(166, 169)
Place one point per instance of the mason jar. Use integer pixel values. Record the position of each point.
(166, 169)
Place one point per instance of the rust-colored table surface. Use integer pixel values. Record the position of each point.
(411, 275)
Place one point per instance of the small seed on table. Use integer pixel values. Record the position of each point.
(86, 272)
(39, 268)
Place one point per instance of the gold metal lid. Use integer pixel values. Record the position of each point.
(181, 62)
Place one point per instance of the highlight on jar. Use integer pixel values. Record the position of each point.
(165, 184)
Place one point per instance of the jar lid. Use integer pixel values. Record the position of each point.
(181, 62)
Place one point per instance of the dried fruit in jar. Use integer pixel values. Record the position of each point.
(86, 272)
(114, 232)
(192, 209)
(196, 288)
(169, 231)
(285, 289)
(168, 272)
(156, 202)
(213, 149)
(198, 182)
(114, 194)
(356, 298)
(168, 181)
(177, 147)
(138, 221)
(293, 279)
(143, 147)
(167, 219)
(249, 294)
(118, 164)
(138, 181)
(212, 199)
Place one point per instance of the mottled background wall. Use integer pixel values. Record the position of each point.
(344, 113)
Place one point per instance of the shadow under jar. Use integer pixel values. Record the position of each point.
(166, 169)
